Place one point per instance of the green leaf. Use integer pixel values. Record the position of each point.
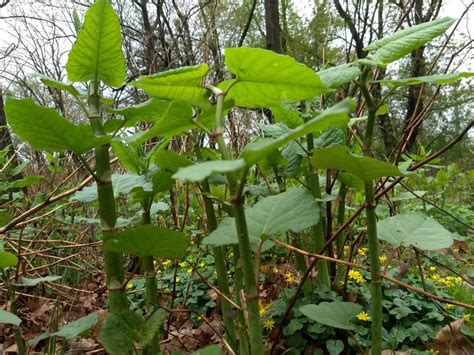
(115, 336)
(184, 84)
(160, 111)
(339, 75)
(331, 137)
(148, 240)
(335, 347)
(27, 181)
(152, 327)
(59, 85)
(209, 350)
(9, 318)
(75, 328)
(414, 229)
(382, 110)
(399, 44)
(97, 51)
(45, 129)
(294, 210)
(171, 161)
(351, 180)
(365, 168)
(33, 282)
(335, 314)
(200, 171)
(290, 117)
(336, 116)
(123, 184)
(7, 260)
(441, 79)
(128, 158)
(5, 217)
(265, 78)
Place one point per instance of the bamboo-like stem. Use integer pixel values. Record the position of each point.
(113, 260)
(376, 279)
(341, 211)
(317, 230)
(221, 270)
(250, 286)
(148, 267)
(151, 287)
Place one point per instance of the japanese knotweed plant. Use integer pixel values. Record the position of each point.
(180, 102)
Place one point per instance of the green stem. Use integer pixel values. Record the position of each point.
(317, 230)
(113, 260)
(341, 211)
(250, 286)
(13, 309)
(301, 264)
(221, 270)
(148, 267)
(376, 280)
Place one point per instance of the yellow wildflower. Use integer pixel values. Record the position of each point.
(456, 250)
(190, 270)
(435, 277)
(182, 264)
(382, 259)
(268, 324)
(466, 317)
(166, 262)
(433, 352)
(154, 262)
(130, 286)
(432, 268)
(178, 279)
(356, 276)
(446, 281)
(363, 316)
(362, 251)
(289, 277)
(275, 270)
(202, 264)
(263, 308)
(449, 305)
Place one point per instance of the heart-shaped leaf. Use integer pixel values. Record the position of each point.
(414, 229)
(200, 171)
(45, 129)
(335, 314)
(341, 158)
(294, 210)
(336, 116)
(184, 84)
(265, 78)
(148, 240)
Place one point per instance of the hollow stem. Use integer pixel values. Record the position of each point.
(376, 279)
(250, 286)
(317, 230)
(114, 268)
(221, 270)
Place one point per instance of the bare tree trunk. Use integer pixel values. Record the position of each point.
(272, 26)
